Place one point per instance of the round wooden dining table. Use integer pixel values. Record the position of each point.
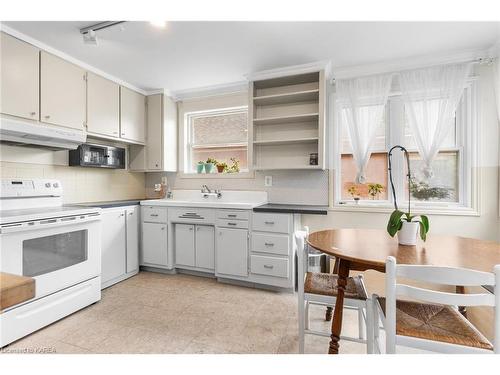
(364, 249)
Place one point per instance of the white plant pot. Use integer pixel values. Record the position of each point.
(408, 233)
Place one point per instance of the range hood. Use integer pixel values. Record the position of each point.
(27, 133)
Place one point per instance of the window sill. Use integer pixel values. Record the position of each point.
(217, 176)
(419, 210)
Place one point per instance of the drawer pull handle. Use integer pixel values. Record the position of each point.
(268, 266)
(269, 222)
(231, 215)
(232, 224)
(154, 215)
(268, 244)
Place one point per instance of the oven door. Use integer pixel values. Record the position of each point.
(58, 252)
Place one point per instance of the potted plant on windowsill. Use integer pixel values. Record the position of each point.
(374, 190)
(354, 193)
(221, 167)
(235, 167)
(406, 225)
(210, 165)
(200, 167)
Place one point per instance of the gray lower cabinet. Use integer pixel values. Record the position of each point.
(154, 244)
(232, 252)
(119, 244)
(194, 246)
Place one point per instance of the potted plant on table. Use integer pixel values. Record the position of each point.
(406, 225)
(221, 167)
(200, 167)
(210, 165)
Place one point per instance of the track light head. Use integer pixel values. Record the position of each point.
(90, 38)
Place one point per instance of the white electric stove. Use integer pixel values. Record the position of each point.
(57, 245)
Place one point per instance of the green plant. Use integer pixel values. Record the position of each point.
(353, 191)
(374, 190)
(222, 164)
(423, 191)
(398, 217)
(201, 162)
(235, 167)
(212, 161)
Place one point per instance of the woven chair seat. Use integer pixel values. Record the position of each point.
(436, 323)
(326, 284)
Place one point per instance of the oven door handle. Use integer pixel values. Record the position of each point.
(48, 223)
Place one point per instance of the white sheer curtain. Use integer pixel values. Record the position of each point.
(362, 103)
(431, 96)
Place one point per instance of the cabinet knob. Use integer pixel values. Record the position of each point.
(130, 213)
(47, 116)
(162, 228)
(32, 113)
(121, 215)
(123, 133)
(190, 228)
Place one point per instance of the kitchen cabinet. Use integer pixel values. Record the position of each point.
(231, 254)
(194, 246)
(62, 92)
(184, 245)
(113, 250)
(132, 225)
(132, 115)
(19, 81)
(160, 151)
(103, 106)
(154, 244)
(205, 251)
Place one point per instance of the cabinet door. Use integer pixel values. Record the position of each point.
(184, 245)
(62, 92)
(231, 252)
(205, 247)
(154, 137)
(132, 115)
(103, 106)
(132, 239)
(154, 244)
(19, 78)
(113, 244)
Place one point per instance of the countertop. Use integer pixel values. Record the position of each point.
(15, 289)
(292, 209)
(110, 204)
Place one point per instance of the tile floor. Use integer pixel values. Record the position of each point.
(156, 313)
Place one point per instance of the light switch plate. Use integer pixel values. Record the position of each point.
(268, 181)
(164, 180)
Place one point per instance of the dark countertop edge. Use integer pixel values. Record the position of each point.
(292, 209)
(123, 203)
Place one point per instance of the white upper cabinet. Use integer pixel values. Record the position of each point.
(19, 80)
(103, 106)
(154, 138)
(133, 115)
(62, 92)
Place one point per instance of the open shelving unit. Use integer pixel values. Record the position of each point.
(287, 115)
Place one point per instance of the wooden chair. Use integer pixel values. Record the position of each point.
(435, 325)
(321, 289)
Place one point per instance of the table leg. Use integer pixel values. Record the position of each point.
(462, 309)
(343, 274)
(329, 310)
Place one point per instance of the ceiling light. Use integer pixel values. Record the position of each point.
(160, 24)
(90, 38)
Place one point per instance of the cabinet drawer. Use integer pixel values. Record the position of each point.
(269, 266)
(270, 243)
(233, 214)
(241, 224)
(271, 222)
(191, 215)
(154, 214)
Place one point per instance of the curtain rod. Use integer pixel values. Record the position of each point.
(487, 61)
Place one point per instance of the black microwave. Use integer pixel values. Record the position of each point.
(100, 156)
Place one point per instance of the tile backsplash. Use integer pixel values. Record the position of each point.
(289, 187)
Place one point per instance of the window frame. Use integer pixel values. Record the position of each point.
(186, 171)
(466, 144)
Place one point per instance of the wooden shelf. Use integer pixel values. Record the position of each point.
(286, 141)
(287, 167)
(292, 97)
(286, 119)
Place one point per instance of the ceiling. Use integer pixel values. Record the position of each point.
(188, 55)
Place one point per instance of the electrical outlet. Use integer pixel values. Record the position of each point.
(268, 181)
(164, 180)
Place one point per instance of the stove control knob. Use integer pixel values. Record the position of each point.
(47, 184)
(55, 184)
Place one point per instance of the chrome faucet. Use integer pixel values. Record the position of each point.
(205, 190)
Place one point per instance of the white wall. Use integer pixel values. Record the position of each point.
(487, 224)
